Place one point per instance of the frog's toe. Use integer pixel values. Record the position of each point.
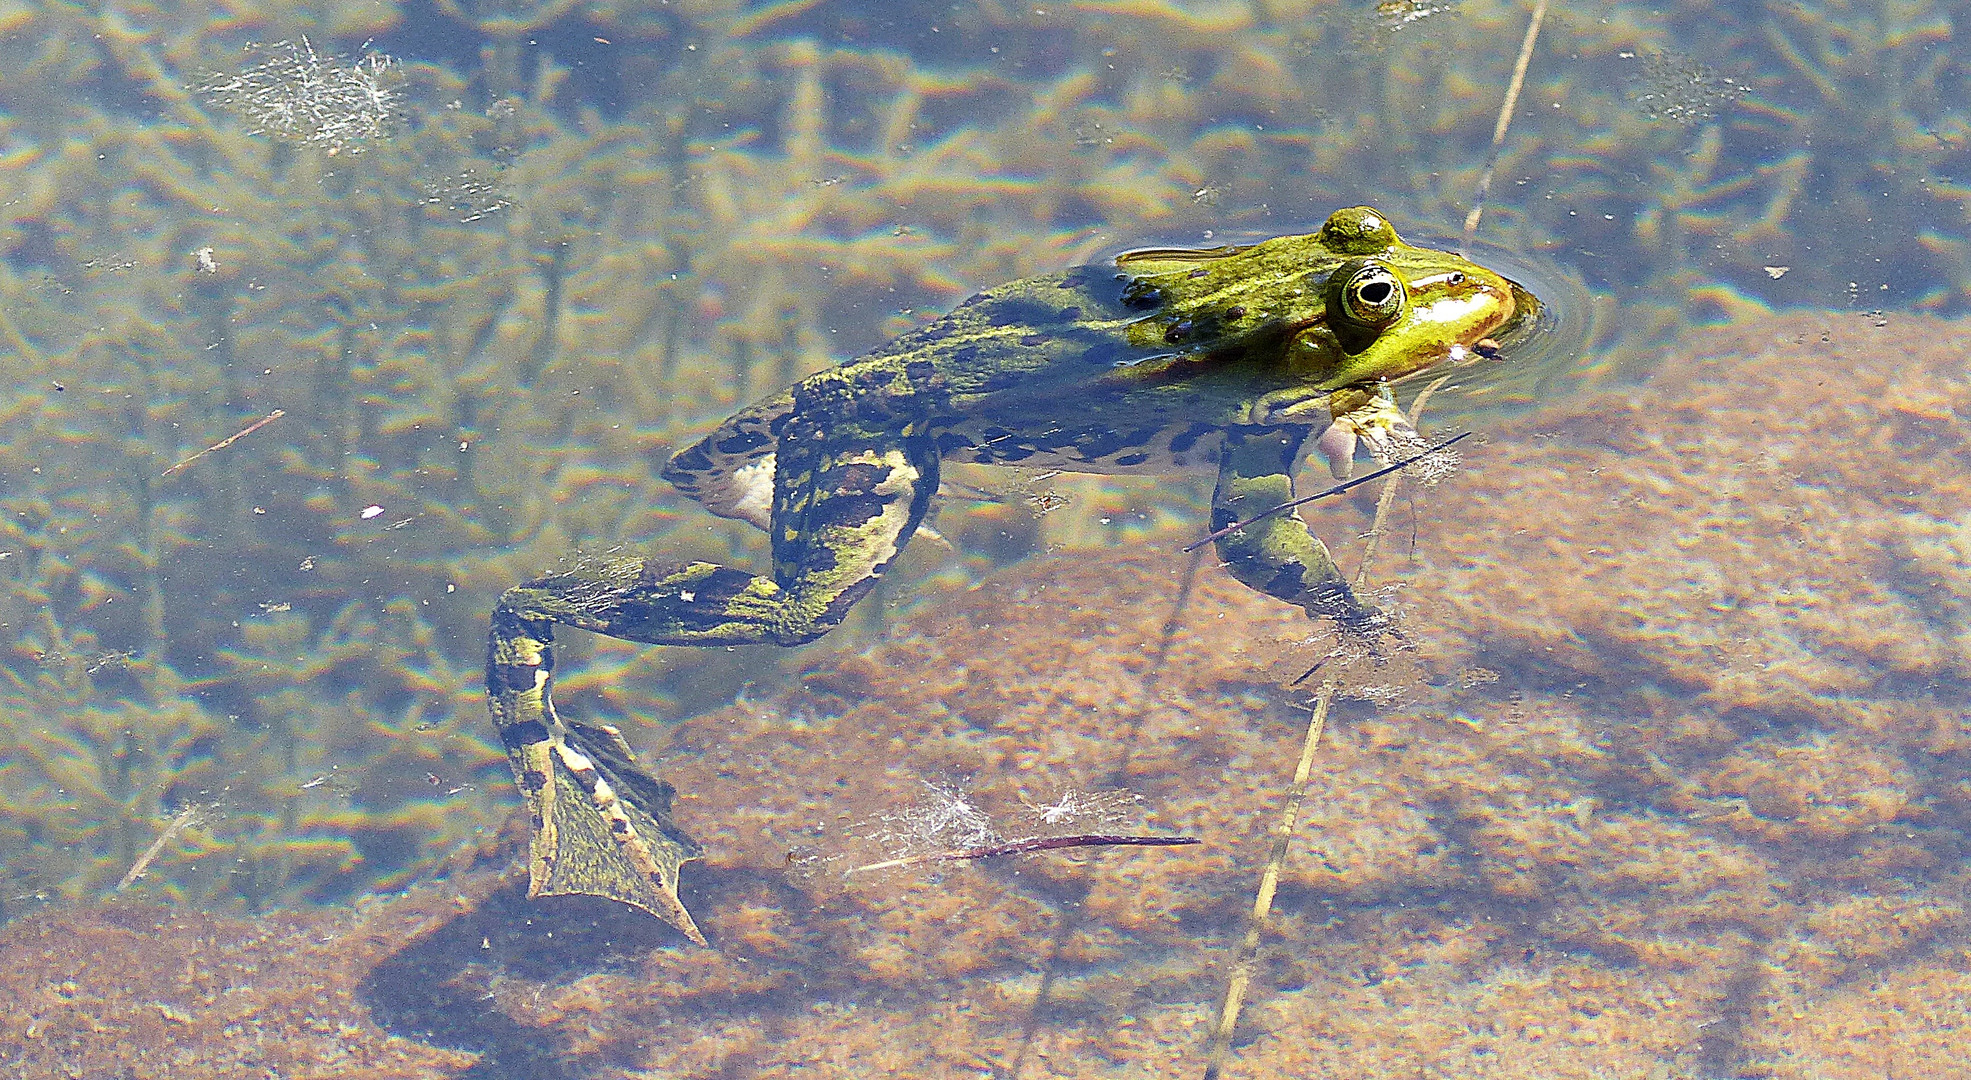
(1386, 442)
(1368, 626)
(1379, 444)
(1362, 633)
(1353, 618)
(1337, 446)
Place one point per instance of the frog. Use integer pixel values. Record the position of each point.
(1231, 358)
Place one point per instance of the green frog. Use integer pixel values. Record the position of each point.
(1230, 358)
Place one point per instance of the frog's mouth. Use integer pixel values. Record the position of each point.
(1551, 304)
(1528, 312)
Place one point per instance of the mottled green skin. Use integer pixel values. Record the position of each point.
(1229, 358)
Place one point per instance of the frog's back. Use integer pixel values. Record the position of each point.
(995, 363)
(1071, 371)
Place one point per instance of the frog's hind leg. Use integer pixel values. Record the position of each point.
(1279, 556)
(602, 826)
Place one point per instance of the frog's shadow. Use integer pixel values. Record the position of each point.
(436, 989)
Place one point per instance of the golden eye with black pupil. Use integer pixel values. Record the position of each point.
(1364, 298)
(1372, 296)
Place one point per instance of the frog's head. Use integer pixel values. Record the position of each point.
(1393, 310)
(1349, 306)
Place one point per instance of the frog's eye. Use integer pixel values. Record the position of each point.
(1366, 295)
(1364, 299)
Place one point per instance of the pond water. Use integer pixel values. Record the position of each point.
(326, 326)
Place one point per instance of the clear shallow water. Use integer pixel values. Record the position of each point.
(491, 275)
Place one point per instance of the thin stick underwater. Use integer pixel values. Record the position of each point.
(1021, 847)
(1239, 978)
(1335, 490)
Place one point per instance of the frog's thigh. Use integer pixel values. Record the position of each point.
(652, 601)
(840, 517)
(1277, 556)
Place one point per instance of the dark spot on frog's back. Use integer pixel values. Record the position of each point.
(705, 609)
(744, 442)
(1183, 441)
(1003, 380)
(849, 511)
(724, 584)
(1104, 445)
(856, 478)
(1089, 277)
(525, 733)
(1069, 314)
(515, 677)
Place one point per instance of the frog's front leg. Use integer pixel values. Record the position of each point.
(602, 826)
(1279, 556)
(1371, 416)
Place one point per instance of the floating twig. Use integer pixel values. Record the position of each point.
(1505, 119)
(1335, 490)
(228, 440)
(187, 816)
(1021, 847)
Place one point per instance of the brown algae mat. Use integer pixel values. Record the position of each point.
(1671, 783)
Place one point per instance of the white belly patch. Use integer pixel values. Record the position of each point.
(749, 493)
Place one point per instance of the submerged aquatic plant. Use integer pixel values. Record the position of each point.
(943, 816)
(296, 95)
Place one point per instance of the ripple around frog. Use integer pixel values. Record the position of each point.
(1551, 353)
